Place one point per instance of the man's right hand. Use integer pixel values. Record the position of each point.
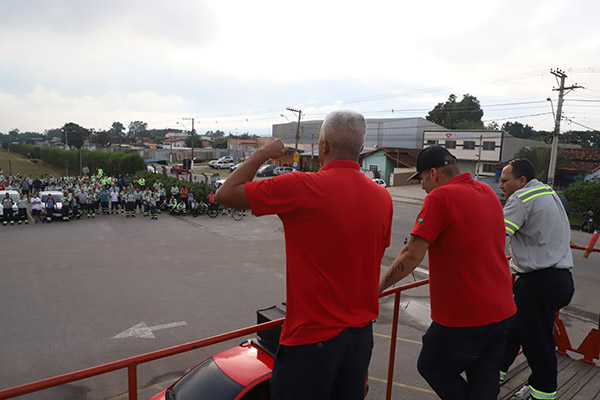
(270, 148)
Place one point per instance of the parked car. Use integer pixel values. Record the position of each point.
(219, 182)
(228, 159)
(282, 170)
(199, 159)
(233, 167)
(179, 169)
(239, 373)
(58, 198)
(266, 170)
(222, 165)
(14, 195)
(379, 182)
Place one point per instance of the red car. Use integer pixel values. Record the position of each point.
(179, 169)
(242, 372)
(239, 373)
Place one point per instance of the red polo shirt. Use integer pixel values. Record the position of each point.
(469, 278)
(337, 224)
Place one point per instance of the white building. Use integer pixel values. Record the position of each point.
(478, 151)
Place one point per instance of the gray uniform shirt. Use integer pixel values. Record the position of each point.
(539, 230)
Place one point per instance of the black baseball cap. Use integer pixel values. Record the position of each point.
(432, 157)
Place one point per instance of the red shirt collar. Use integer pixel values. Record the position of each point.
(340, 164)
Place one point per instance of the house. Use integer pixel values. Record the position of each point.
(393, 165)
(583, 163)
(241, 148)
(173, 142)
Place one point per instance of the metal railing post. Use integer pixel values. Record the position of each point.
(390, 378)
(132, 381)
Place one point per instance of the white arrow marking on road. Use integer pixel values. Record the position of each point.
(144, 331)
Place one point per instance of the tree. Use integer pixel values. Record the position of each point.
(519, 130)
(583, 138)
(220, 143)
(584, 195)
(540, 158)
(101, 137)
(74, 135)
(216, 133)
(136, 128)
(465, 114)
(197, 141)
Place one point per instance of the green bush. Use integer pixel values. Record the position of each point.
(584, 195)
(114, 164)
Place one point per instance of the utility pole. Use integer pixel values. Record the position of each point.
(561, 92)
(187, 119)
(298, 126)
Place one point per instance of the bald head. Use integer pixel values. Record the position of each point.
(344, 131)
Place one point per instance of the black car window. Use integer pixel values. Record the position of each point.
(262, 391)
(206, 381)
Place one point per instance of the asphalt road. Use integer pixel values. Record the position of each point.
(69, 291)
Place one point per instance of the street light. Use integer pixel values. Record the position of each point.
(281, 115)
(552, 105)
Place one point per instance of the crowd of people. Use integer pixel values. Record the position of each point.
(88, 196)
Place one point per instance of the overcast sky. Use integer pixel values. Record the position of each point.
(236, 65)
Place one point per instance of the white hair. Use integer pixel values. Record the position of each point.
(345, 132)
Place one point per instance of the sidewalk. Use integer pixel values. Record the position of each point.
(412, 194)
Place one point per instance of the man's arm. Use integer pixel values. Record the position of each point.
(233, 192)
(409, 258)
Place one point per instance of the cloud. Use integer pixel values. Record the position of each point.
(45, 108)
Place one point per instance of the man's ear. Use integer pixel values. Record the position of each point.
(522, 181)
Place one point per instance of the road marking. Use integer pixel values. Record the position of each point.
(398, 339)
(144, 331)
(402, 385)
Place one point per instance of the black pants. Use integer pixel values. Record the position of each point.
(8, 214)
(539, 295)
(333, 369)
(476, 351)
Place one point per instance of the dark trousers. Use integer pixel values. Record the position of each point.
(8, 214)
(333, 369)
(476, 351)
(539, 295)
(22, 214)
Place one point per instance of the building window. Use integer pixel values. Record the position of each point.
(488, 168)
(489, 145)
(431, 142)
(469, 145)
(450, 144)
(373, 167)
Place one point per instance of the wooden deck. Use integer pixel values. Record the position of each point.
(576, 380)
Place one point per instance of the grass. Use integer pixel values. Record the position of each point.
(12, 163)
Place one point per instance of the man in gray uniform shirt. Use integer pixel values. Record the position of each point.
(540, 236)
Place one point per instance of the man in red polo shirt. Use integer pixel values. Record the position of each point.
(333, 259)
(462, 225)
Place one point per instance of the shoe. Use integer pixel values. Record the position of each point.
(522, 393)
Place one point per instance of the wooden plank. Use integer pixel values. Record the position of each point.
(570, 373)
(576, 380)
(582, 387)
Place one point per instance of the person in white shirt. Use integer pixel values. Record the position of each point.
(36, 207)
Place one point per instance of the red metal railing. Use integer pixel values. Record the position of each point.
(131, 363)
(590, 349)
(396, 292)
